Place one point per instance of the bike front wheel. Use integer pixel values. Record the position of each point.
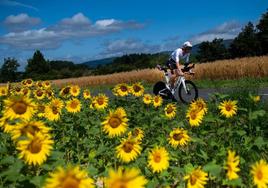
(188, 94)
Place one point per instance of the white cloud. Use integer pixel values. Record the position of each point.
(105, 23)
(77, 19)
(127, 46)
(76, 27)
(227, 30)
(20, 22)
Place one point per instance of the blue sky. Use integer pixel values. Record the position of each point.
(81, 30)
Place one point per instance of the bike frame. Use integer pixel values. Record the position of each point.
(180, 80)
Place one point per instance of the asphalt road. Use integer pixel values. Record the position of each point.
(204, 93)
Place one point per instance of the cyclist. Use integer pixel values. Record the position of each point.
(174, 61)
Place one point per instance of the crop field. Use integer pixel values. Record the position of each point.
(251, 67)
(65, 137)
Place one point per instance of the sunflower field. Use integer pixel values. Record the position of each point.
(67, 138)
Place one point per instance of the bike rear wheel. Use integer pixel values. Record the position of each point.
(161, 86)
(190, 94)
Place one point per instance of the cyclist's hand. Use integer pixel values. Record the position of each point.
(158, 67)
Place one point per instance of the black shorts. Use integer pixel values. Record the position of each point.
(171, 64)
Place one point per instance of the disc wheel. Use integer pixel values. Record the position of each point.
(190, 94)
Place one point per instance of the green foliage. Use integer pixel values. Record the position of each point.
(211, 51)
(37, 65)
(246, 43)
(263, 32)
(132, 62)
(8, 71)
(79, 139)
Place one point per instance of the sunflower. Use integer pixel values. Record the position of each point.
(39, 84)
(121, 90)
(71, 177)
(75, 90)
(136, 134)
(125, 178)
(100, 102)
(29, 82)
(200, 104)
(39, 94)
(49, 93)
(178, 137)
(259, 172)
(17, 90)
(232, 165)
(35, 149)
(86, 94)
(6, 125)
(19, 107)
(65, 91)
(73, 105)
(170, 111)
(196, 179)
(26, 92)
(158, 159)
(147, 99)
(115, 123)
(32, 127)
(47, 84)
(53, 110)
(3, 91)
(41, 110)
(256, 98)
(128, 150)
(228, 108)
(194, 116)
(157, 100)
(137, 89)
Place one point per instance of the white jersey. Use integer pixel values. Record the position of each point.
(177, 55)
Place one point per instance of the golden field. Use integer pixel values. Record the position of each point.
(255, 67)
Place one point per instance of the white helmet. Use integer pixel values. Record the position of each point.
(187, 44)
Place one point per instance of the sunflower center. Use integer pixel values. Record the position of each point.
(128, 147)
(136, 132)
(228, 107)
(66, 90)
(169, 110)
(193, 115)
(55, 110)
(74, 90)
(25, 91)
(35, 146)
(100, 101)
(114, 122)
(19, 107)
(29, 129)
(259, 174)
(123, 88)
(39, 93)
(156, 100)
(29, 81)
(178, 136)
(70, 182)
(119, 184)
(136, 88)
(157, 157)
(193, 179)
(74, 104)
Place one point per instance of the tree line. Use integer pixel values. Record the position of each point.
(251, 41)
(38, 68)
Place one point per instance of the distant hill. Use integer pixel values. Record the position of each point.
(95, 63)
